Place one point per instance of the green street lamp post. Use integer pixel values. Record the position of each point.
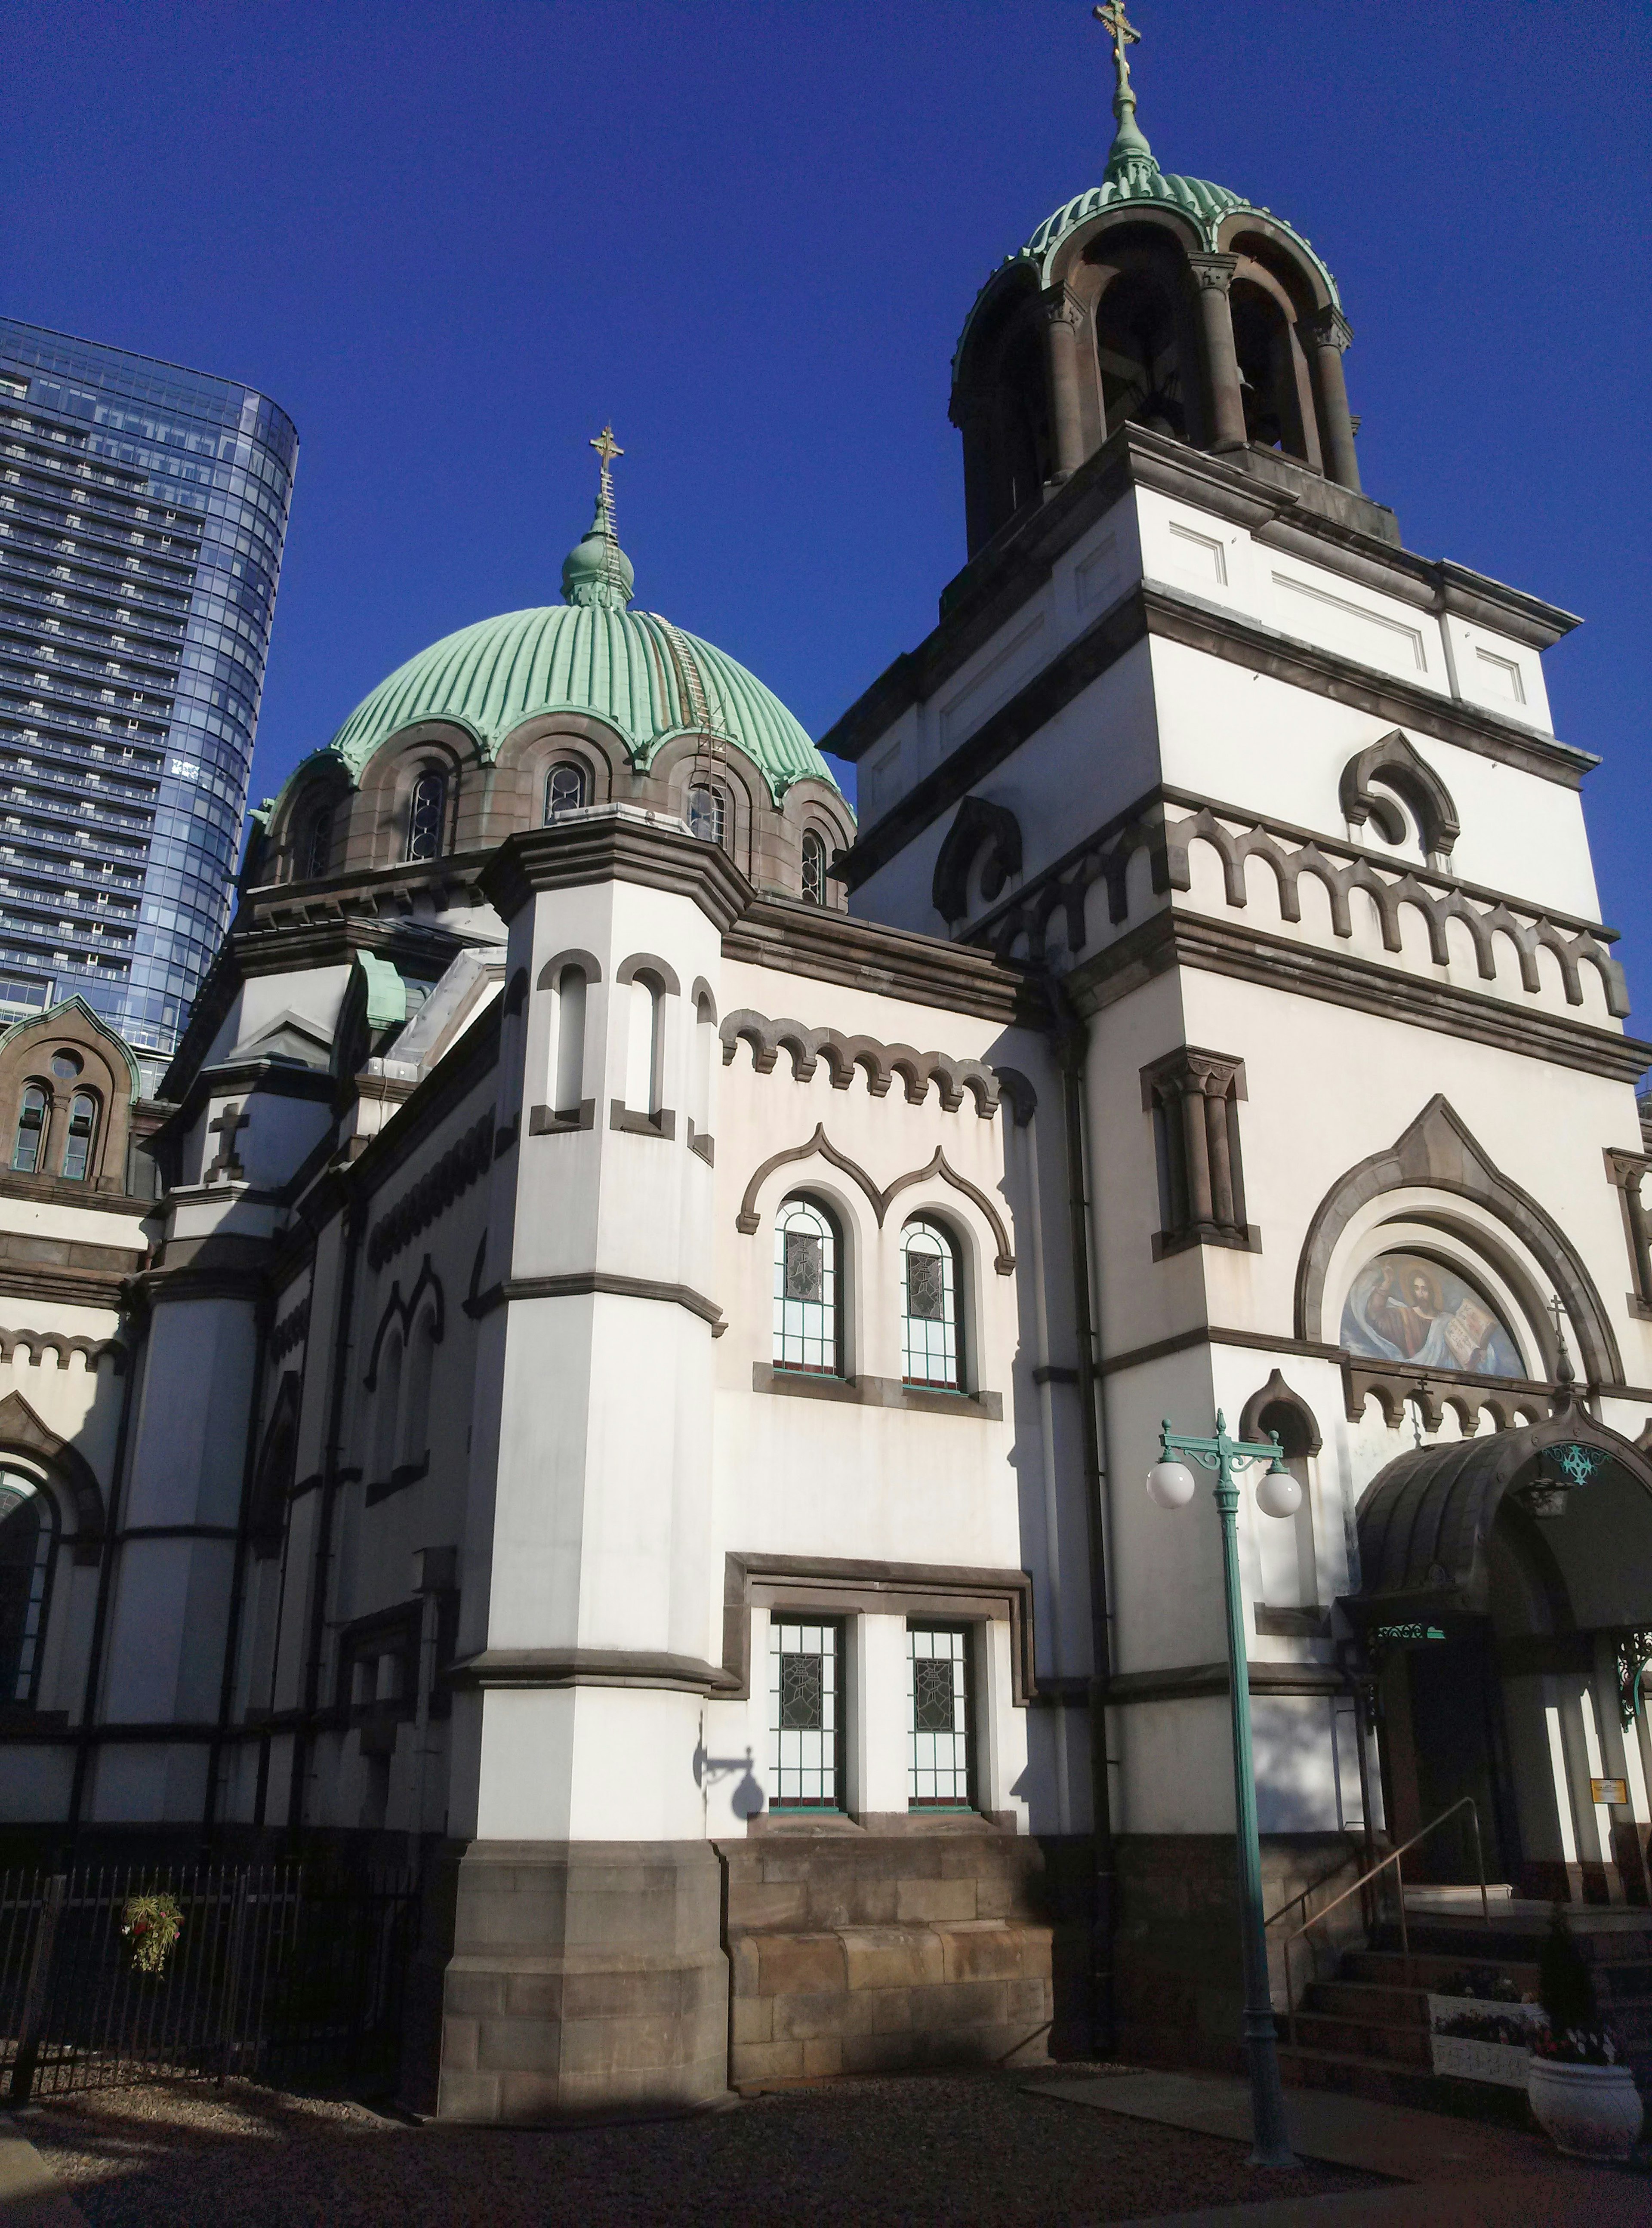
(1171, 1484)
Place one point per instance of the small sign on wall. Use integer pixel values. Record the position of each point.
(1608, 1790)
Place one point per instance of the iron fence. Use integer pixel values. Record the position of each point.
(281, 1973)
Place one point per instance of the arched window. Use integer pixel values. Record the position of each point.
(931, 1343)
(387, 1410)
(318, 847)
(1139, 351)
(415, 1425)
(568, 1081)
(427, 816)
(31, 1130)
(645, 1046)
(1267, 362)
(807, 1319)
(708, 812)
(563, 789)
(28, 1533)
(705, 1049)
(814, 869)
(77, 1146)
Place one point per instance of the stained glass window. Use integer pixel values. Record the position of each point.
(31, 1131)
(931, 1347)
(937, 1715)
(26, 1531)
(814, 869)
(77, 1146)
(427, 811)
(320, 849)
(808, 1322)
(706, 812)
(563, 789)
(805, 1720)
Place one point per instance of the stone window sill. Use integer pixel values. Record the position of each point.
(876, 1392)
(545, 1122)
(404, 1474)
(624, 1118)
(1311, 1623)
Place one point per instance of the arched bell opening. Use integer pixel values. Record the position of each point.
(1140, 347)
(1506, 1612)
(1272, 375)
(1002, 405)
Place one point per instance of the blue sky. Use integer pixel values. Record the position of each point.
(451, 240)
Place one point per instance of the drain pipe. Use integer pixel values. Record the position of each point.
(136, 1304)
(1071, 1042)
(304, 1738)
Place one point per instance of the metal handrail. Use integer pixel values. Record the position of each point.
(1463, 1802)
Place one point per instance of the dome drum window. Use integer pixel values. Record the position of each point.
(707, 814)
(427, 816)
(565, 790)
(814, 869)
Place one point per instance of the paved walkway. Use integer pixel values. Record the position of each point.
(31, 2196)
(1451, 2171)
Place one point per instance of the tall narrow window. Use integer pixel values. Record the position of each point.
(814, 869)
(387, 1410)
(568, 1082)
(31, 1131)
(318, 851)
(805, 1713)
(646, 1047)
(77, 1146)
(28, 1528)
(705, 1046)
(808, 1322)
(426, 813)
(931, 1349)
(563, 789)
(416, 1423)
(937, 1717)
(706, 812)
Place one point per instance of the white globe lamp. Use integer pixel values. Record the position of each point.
(1170, 1485)
(1279, 1494)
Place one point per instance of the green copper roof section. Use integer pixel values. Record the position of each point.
(631, 668)
(1197, 199)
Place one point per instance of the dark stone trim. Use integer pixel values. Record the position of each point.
(648, 962)
(1208, 1335)
(465, 1161)
(406, 1311)
(74, 1194)
(614, 844)
(979, 824)
(589, 1666)
(845, 1056)
(62, 1285)
(748, 1220)
(70, 1472)
(1177, 938)
(632, 1125)
(1313, 1624)
(542, 1123)
(579, 1282)
(1190, 1682)
(1055, 1374)
(405, 1474)
(226, 1532)
(834, 1586)
(1439, 1152)
(1392, 760)
(19, 1250)
(877, 1393)
(1277, 1393)
(588, 962)
(794, 938)
(702, 1143)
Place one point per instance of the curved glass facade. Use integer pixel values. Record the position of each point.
(143, 511)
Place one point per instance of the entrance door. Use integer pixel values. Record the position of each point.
(1456, 1740)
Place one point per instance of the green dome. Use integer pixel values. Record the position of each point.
(1195, 198)
(644, 677)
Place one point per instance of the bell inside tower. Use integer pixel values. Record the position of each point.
(1139, 351)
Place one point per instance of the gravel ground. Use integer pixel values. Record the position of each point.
(965, 2148)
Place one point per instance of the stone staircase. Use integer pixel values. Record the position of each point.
(1365, 2033)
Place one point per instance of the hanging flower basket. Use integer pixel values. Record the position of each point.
(152, 1925)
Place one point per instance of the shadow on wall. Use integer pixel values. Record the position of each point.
(747, 1799)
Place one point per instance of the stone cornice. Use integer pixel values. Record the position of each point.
(615, 842)
(1175, 938)
(1150, 609)
(892, 963)
(1003, 576)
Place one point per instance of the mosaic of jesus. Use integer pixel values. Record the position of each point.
(1403, 1307)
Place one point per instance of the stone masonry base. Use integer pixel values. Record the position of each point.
(587, 1980)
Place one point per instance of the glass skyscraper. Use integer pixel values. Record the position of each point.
(142, 510)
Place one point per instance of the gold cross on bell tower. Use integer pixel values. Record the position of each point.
(1111, 18)
(607, 448)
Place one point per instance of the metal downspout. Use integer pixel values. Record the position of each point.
(238, 1584)
(304, 1736)
(106, 1578)
(1071, 1042)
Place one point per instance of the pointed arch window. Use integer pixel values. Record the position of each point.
(931, 1343)
(808, 1318)
(30, 1141)
(428, 814)
(814, 869)
(386, 1411)
(708, 812)
(318, 849)
(565, 790)
(83, 1129)
(28, 1534)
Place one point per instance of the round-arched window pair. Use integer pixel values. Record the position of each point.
(34, 1123)
(809, 1312)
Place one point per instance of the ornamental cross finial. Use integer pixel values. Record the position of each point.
(607, 449)
(1123, 34)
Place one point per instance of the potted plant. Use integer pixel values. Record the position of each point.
(1584, 2100)
(152, 1924)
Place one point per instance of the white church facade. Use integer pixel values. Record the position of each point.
(634, 1380)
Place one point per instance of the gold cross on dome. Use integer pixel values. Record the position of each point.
(1123, 34)
(606, 447)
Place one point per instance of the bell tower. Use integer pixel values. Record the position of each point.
(1152, 300)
